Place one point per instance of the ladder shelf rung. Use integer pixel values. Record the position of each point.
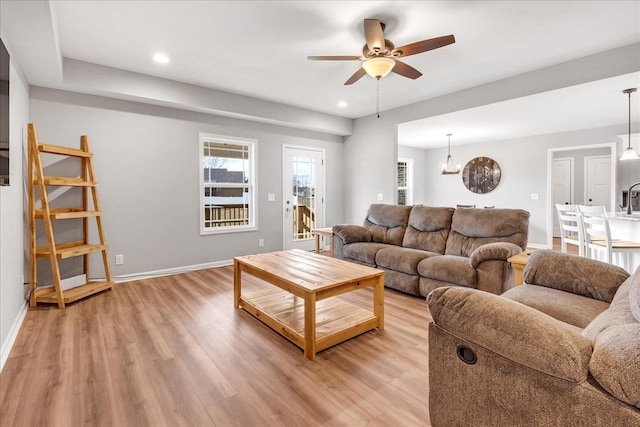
(66, 181)
(68, 251)
(70, 213)
(64, 151)
(48, 294)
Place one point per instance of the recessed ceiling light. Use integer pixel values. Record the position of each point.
(161, 58)
(342, 104)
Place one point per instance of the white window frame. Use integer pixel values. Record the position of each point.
(252, 184)
(409, 180)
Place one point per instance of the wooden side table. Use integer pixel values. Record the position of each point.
(518, 263)
(324, 232)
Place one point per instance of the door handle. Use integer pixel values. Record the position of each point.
(288, 209)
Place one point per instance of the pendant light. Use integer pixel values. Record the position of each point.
(447, 167)
(629, 152)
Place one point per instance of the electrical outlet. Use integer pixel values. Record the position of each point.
(261, 242)
(271, 197)
(534, 196)
(380, 197)
(119, 259)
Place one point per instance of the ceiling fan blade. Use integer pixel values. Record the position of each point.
(374, 35)
(334, 58)
(356, 76)
(424, 45)
(406, 70)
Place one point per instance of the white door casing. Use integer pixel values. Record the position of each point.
(303, 195)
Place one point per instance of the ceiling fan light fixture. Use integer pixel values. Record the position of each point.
(378, 67)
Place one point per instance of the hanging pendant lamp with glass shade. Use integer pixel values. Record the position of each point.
(448, 167)
(629, 153)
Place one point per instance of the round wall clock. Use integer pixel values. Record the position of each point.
(481, 175)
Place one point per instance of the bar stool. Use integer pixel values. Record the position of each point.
(571, 231)
(598, 237)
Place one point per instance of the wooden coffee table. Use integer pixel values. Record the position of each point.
(299, 306)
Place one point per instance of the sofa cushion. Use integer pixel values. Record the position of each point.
(428, 228)
(449, 268)
(402, 282)
(363, 252)
(574, 274)
(471, 228)
(404, 260)
(387, 223)
(570, 308)
(615, 333)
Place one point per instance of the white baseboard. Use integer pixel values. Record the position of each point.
(537, 246)
(13, 334)
(170, 271)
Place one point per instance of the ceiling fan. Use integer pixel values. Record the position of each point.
(380, 55)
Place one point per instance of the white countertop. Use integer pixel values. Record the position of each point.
(635, 216)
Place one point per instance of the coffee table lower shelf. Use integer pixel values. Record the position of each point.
(336, 320)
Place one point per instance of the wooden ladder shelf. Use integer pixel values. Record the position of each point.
(54, 251)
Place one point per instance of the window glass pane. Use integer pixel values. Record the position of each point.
(227, 190)
(304, 194)
(402, 197)
(226, 162)
(402, 174)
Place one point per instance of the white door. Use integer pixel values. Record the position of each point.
(303, 192)
(562, 179)
(597, 181)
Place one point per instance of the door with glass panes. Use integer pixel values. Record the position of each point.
(303, 193)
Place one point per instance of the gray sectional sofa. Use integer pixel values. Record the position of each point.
(561, 350)
(421, 248)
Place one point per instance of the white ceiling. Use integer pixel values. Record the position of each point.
(586, 106)
(259, 48)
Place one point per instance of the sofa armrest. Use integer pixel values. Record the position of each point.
(493, 251)
(351, 233)
(574, 274)
(512, 330)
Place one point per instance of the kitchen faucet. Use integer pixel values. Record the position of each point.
(629, 208)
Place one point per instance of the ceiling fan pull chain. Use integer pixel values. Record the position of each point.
(378, 97)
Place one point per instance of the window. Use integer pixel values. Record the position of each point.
(405, 181)
(227, 184)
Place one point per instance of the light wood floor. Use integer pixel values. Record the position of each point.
(173, 351)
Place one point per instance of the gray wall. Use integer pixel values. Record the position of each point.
(146, 164)
(12, 243)
(523, 163)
